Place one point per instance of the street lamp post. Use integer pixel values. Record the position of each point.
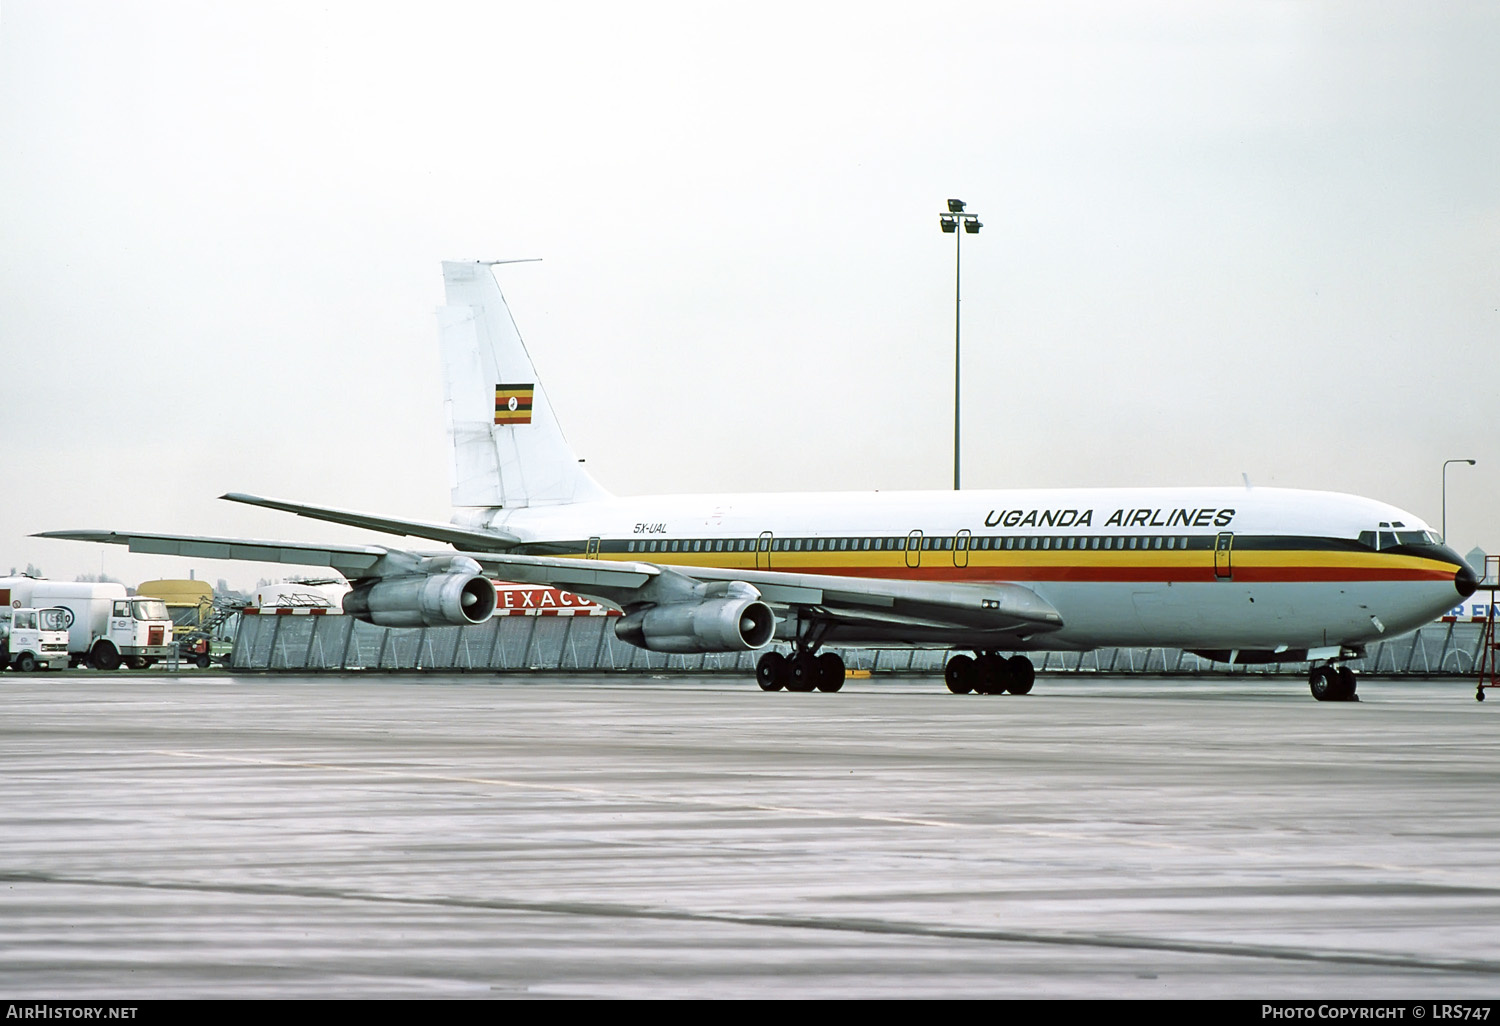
(1445, 494)
(949, 222)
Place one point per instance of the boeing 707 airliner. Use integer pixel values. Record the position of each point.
(1233, 574)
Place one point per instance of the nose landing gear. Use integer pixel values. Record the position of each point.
(1332, 684)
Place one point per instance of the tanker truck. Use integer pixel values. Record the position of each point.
(108, 627)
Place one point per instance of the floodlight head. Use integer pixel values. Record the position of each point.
(972, 226)
(948, 224)
(955, 206)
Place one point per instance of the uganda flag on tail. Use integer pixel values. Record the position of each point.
(513, 404)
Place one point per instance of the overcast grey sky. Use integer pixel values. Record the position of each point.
(1225, 238)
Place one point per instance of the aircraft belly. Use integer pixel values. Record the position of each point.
(1226, 614)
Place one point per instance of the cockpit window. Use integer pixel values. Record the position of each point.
(1382, 540)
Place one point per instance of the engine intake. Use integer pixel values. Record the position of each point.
(452, 599)
(734, 624)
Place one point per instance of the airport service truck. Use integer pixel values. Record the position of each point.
(34, 639)
(108, 627)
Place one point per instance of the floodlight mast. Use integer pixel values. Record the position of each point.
(949, 223)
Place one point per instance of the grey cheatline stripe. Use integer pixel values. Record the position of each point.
(844, 924)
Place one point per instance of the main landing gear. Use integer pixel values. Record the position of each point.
(989, 674)
(1332, 684)
(803, 671)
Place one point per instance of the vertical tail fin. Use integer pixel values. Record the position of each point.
(507, 447)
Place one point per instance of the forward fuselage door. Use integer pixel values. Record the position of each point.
(961, 543)
(763, 548)
(592, 551)
(1223, 549)
(914, 549)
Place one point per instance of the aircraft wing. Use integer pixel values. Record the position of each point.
(835, 600)
(360, 561)
(870, 601)
(352, 561)
(453, 534)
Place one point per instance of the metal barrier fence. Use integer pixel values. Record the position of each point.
(588, 644)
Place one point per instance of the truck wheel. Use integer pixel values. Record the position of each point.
(104, 656)
(26, 662)
(135, 662)
(4, 653)
(202, 661)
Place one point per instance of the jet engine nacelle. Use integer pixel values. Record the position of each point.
(717, 625)
(454, 598)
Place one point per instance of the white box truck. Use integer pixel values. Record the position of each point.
(34, 639)
(108, 626)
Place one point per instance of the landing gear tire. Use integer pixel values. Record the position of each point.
(1022, 675)
(1347, 684)
(772, 671)
(1332, 684)
(26, 662)
(104, 656)
(804, 675)
(992, 674)
(830, 672)
(1479, 694)
(961, 675)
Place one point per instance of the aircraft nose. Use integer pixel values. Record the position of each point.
(1466, 580)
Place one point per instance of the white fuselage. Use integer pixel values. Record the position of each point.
(1200, 568)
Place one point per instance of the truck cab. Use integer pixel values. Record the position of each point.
(34, 639)
(140, 631)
